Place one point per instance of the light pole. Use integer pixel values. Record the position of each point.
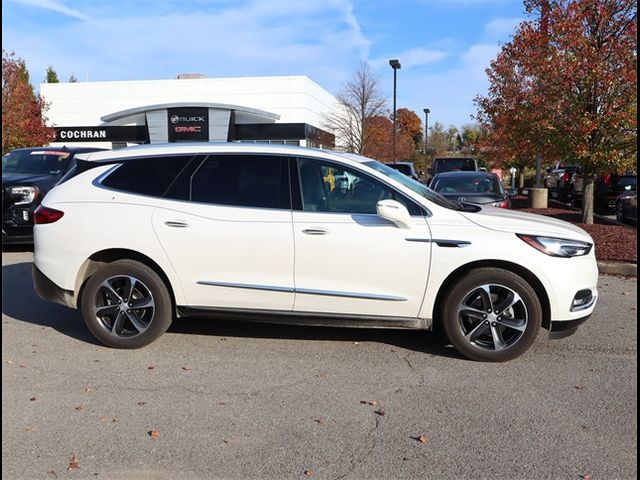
(426, 138)
(395, 64)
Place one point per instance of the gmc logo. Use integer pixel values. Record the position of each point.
(188, 129)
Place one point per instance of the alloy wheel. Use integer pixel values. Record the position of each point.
(492, 317)
(124, 306)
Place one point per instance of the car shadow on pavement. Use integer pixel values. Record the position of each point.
(21, 302)
(416, 340)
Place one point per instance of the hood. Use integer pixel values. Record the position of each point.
(43, 181)
(521, 222)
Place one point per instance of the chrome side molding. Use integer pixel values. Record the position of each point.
(441, 242)
(305, 291)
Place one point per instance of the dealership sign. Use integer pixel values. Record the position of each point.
(103, 134)
(188, 124)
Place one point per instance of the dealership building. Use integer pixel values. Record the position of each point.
(285, 110)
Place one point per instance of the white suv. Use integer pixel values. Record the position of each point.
(138, 236)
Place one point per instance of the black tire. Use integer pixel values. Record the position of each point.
(105, 306)
(483, 335)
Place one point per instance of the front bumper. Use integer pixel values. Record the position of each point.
(48, 290)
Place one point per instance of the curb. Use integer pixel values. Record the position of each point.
(616, 268)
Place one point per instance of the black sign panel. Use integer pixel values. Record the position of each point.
(103, 134)
(188, 124)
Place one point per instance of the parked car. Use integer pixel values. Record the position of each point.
(481, 188)
(259, 232)
(453, 164)
(408, 168)
(606, 189)
(627, 204)
(558, 181)
(27, 175)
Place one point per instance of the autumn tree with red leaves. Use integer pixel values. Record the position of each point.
(23, 120)
(566, 86)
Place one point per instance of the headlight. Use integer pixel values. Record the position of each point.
(557, 247)
(24, 195)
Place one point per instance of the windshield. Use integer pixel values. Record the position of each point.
(467, 184)
(38, 162)
(409, 182)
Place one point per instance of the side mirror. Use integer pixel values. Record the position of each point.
(394, 212)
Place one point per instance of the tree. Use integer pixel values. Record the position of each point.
(23, 112)
(360, 101)
(409, 123)
(72, 78)
(438, 140)
(52, 76)
(576, 69)
(379, 139)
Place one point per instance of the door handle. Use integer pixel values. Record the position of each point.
(176, 223)
(315, 231)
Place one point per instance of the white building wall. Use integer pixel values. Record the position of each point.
(297, 99)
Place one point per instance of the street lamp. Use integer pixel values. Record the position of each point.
(426, 137)
(395, 64)
(426, 128)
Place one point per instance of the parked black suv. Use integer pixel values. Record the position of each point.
(27, 175)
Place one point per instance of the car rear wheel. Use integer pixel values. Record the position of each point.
(126, 304)
(492, 315)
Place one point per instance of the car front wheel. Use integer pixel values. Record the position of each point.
(492, 315)
(126, 304)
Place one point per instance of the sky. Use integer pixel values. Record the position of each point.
(444, 46)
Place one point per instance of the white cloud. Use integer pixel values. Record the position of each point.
(502, 27)
(320, 39)
(480, 54)
(414, 57)
(55, 7)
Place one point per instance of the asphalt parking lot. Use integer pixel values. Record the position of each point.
(214, 399)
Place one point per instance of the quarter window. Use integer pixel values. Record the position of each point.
(258, 181)
(147, 176)
(328, 187)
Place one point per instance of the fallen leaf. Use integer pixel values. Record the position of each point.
(380, 412)
(31, 429)
(423, 439)
(53, 472)
(308, 473)
(356, 343)
(9, 362)
(625, 293)
(187, 368)
(22, 366)
(586, 476)
(373, 403)
(114, 420)
(87, 390)
(580, 387)
(363, 402)
(79, 407)
(222, 403)
(73, 464)
(319, 421)
(141, 403)
(151, 367)
(102, 419)
(33, 399)
(154, 433)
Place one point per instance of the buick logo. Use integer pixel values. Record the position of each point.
(176, 119)
(462, 199)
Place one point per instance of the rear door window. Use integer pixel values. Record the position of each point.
(254, 181)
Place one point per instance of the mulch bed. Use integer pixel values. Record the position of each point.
(614, 243)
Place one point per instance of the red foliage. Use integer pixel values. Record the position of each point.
(23, 120)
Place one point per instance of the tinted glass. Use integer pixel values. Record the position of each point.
(328, 187)
(467, 184)
(453, 164)
(258, 181)
(147, 176)
(38, 162)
